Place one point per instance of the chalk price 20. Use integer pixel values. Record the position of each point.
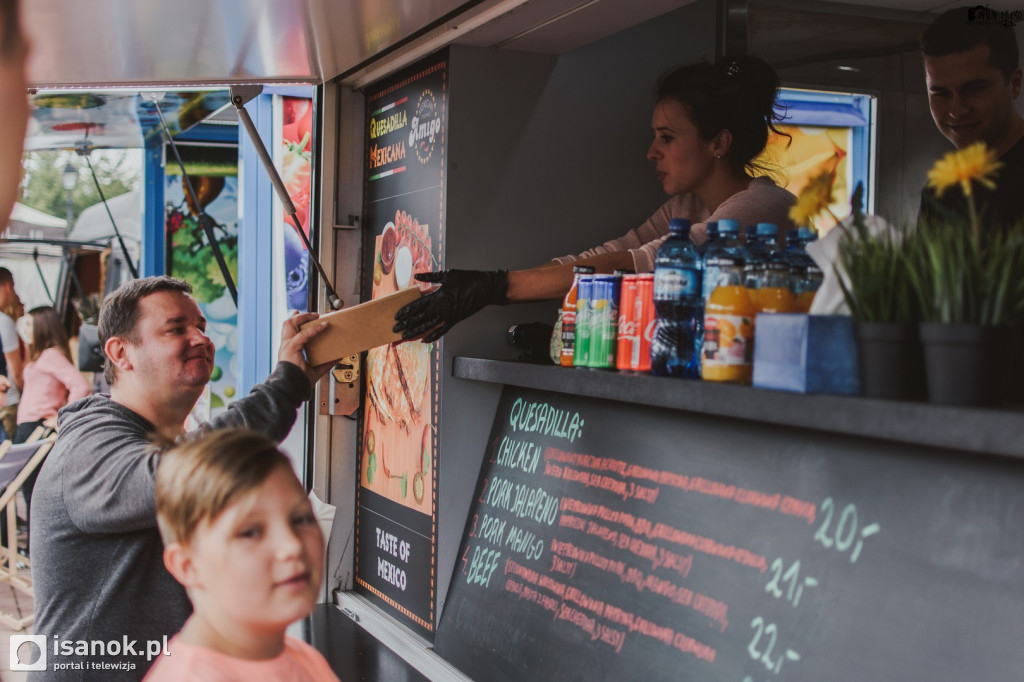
(846, 533)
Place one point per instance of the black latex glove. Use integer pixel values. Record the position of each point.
(462, 293)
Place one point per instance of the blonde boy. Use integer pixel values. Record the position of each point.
(241, 537)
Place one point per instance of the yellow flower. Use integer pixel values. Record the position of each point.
(976, 162)
(814, 198)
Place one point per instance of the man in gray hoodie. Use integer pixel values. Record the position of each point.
(103, 599)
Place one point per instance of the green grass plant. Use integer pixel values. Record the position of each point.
(877, 285)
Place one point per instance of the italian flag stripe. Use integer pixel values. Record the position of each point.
(390, 106)
(386, 173)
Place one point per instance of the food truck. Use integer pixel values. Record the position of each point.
(497, 519)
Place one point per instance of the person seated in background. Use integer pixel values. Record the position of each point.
(240, 535)
(972, 70)
(710, 124)
(51, 380)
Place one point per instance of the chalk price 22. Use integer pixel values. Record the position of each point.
(770, 632)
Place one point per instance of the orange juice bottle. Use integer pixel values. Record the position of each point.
(804, 301)
(728, 350)
(774, 294)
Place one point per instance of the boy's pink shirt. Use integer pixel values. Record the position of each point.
(299, 662)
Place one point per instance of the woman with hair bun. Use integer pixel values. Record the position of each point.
(710, 123)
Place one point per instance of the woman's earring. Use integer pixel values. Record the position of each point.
(718, 157)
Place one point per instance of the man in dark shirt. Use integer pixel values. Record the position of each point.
(103, 598)
(972, 71)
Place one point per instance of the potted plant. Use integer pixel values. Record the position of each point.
(969, 281)
(873, 274)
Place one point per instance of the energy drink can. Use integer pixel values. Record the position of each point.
(581, 353)
(604, 320)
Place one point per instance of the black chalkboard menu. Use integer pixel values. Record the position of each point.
(613, 542)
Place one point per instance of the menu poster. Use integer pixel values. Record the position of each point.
(611, 542)
(406, 126)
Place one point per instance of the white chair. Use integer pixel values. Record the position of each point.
(17, 462)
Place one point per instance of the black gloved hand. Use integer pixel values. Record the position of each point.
(462, 293)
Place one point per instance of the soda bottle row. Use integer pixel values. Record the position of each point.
(695, 316)
(606, 321)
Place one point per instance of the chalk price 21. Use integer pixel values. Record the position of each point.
(791, 580)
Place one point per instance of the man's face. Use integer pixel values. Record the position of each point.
(970, 100)
(173, 351)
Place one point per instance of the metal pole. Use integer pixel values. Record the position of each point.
(69, 210)
(205, 221)
(239, 98)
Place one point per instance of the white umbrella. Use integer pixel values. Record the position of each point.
(93, 223)
(25, 219)
(27, 223)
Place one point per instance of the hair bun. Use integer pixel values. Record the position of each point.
(753, 80)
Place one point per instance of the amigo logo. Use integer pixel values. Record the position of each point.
(425, 125)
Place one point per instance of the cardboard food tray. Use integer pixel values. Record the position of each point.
(358, 328)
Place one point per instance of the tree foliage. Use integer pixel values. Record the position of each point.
(42, 186)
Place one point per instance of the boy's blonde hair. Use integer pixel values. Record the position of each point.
(197, 479)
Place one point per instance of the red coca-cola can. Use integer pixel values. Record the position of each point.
(636, 323)
(627, 326)
(645, 322)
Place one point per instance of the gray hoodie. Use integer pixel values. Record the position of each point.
(97, 558)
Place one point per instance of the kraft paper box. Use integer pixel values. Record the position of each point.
(361, 327)
(806, 353)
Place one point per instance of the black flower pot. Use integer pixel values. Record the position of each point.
(962, 363)
(891, 364)
(1013, 378)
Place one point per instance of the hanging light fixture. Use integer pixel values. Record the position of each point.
(69, 177)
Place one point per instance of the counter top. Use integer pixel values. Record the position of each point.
(983, 431)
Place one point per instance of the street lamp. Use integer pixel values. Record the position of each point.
(69, 178)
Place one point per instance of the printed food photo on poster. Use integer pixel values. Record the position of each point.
(296, 145)
(398, 438)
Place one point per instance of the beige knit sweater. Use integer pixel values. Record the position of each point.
(762, 202)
